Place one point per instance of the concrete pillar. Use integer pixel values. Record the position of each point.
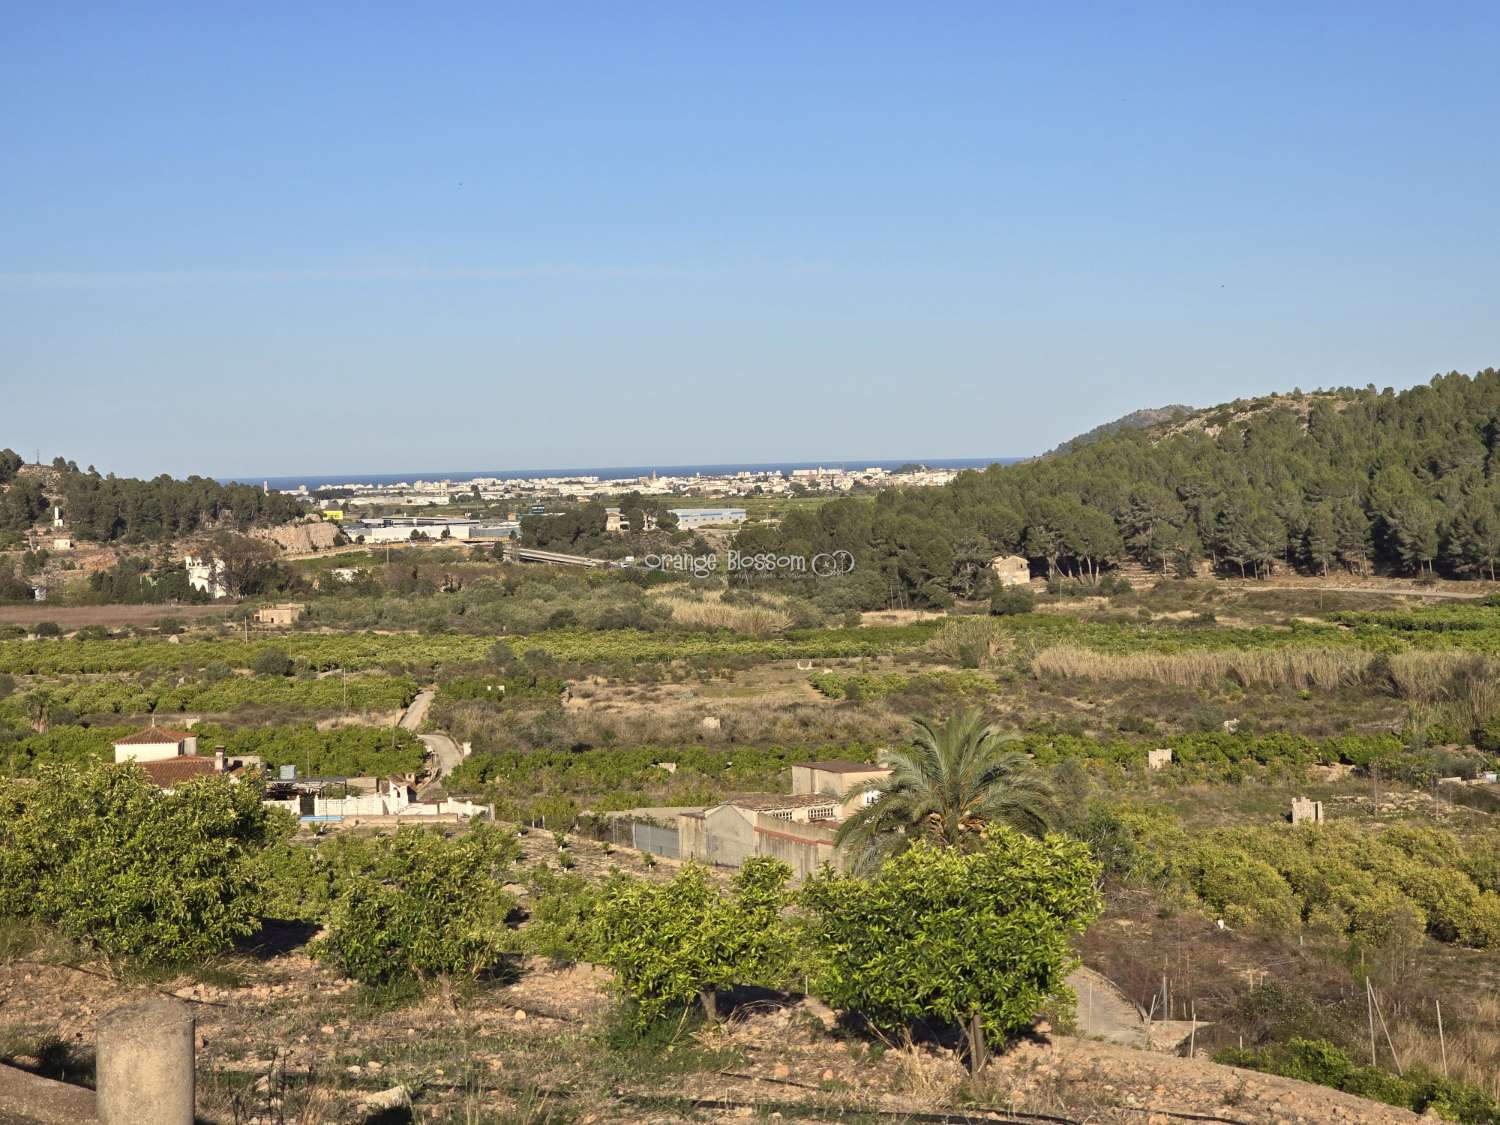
(145, 1064)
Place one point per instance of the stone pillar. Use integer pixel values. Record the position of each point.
(145, 1070)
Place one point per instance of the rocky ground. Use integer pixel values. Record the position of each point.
(282, 1039)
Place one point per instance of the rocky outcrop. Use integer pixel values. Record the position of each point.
(317, 535)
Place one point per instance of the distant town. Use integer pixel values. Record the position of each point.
(731, 483)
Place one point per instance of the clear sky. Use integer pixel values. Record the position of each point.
(297, 238)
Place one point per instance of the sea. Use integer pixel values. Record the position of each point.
(617, 472)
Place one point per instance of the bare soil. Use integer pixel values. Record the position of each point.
(110, 616)
(290, 1041)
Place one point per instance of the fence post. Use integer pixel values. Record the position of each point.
(144, 1068)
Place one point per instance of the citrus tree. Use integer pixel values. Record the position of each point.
(424, 906)
(127, 870)
(938, 936)
(671, 943)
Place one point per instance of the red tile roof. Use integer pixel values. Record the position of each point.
(153, 736)
(174, 771)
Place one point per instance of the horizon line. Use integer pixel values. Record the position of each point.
(599, 470)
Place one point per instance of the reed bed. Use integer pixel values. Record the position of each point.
(1431, 675)
(708, 613)
(1295, 666)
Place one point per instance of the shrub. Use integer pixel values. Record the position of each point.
(427, 906)
(47, 629)
(560, 909)
(978, 940)
(671, 943)
(272, 662)
(1011, 600)
(127, 870)
(1327, 1064)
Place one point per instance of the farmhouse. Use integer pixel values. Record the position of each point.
(1011, 570)
(796, 828)
(170, 757)
(156, 744)
(280, 616)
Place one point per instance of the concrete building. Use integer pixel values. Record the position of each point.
(837, 779)
(689, 518)
(281, 616)
(796, 828)
(400, 529)
(1305, 811)
(156, 744)
(505, 529)
(170, 757)
(616, 524)
(1011, 570)
(377, 798)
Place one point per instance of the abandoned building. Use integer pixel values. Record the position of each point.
(1010, 570)
(797, 828)
(282, 616)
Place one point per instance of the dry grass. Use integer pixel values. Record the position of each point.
(709, 612)
(960, 636)
(1466, 684)
(1471, 1038)
(1321, 668)
(931, 1077)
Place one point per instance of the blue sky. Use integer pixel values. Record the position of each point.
(278, 238)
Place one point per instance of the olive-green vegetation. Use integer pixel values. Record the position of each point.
(858, 686)
(1376, 884)
(341, 752)
(214, 692)
(1317, 1060)
(1349, 480)
(127, 871)
(361, 651)
(607, 779)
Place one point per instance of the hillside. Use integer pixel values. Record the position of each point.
(106, 508)
(1355, 480)
(1149, 418)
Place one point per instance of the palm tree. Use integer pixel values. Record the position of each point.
(945, 787)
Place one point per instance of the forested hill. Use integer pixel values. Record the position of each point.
(1135, 420)
(109, 508)
(1356, 479)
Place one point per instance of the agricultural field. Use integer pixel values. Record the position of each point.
(582, 696)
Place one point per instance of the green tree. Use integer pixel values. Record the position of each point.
(1320, 543)
(272, 662)
(672, 943)
(1009, 600)
(950, 783)
(978, 940)
(426, 906)
(130, 871)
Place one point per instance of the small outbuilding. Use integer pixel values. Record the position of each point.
(1011, 570)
